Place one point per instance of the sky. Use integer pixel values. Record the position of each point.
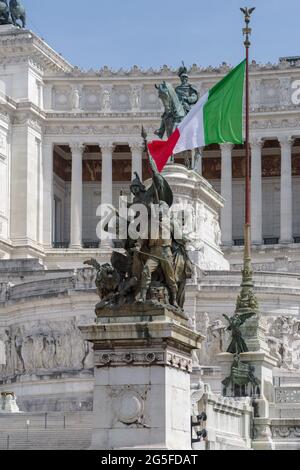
(151, 33)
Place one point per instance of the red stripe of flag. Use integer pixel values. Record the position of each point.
(161, 150)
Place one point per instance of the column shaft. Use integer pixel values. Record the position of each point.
(286, 200)
(226, 192)
(107, 182)
(137, 158)
(47, 171)
(76, 196)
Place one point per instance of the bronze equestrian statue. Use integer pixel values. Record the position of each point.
(13, 14)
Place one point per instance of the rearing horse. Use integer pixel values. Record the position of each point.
(174, 111)
(17, 12)
(4, 12)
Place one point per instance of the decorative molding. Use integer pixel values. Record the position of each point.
(287, 395)
(105, 130)
(26, 119)
(137, 358)
(285, 432)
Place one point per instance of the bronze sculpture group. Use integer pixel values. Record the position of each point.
(13, 13)
(156, 269)
(151, 268)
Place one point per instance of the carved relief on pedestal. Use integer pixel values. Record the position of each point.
(129, 404)
(41, 345)
(284, 340)
(215, 341)
(217, 231)
(84, 278)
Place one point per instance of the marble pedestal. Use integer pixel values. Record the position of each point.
(143, 361)
(263, 364)
(203, 218)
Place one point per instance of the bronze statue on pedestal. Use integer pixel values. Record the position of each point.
(153, 267)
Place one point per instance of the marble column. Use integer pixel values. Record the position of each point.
(47, 171)
(256, 191)
(286, 200)
(107, 182)
(226, 192)
(137, 149)
(107, 149)
(76, 195)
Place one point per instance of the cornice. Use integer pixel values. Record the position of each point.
(168, 72)
(111, 130)
(105, 116)
(7, 105)
(18, 42)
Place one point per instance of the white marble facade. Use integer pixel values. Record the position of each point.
(47, 102)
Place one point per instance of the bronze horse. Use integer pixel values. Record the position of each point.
(174, 111)
(18, 13)
(4, 13)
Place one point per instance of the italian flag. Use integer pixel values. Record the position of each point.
(217, 118)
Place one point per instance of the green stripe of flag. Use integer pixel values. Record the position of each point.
(223, 111)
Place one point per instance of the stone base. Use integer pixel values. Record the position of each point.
(254, 334)
(263, 365)
(4, 28)
(143, 361)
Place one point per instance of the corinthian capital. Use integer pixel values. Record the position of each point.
(256, 143)
(107, 146)
(286, 141)
(77, 147)
(136, 145)
(226, 148)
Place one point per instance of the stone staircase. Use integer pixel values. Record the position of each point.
(51, 431)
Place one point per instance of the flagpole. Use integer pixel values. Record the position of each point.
(247, 301)
(247, 32)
